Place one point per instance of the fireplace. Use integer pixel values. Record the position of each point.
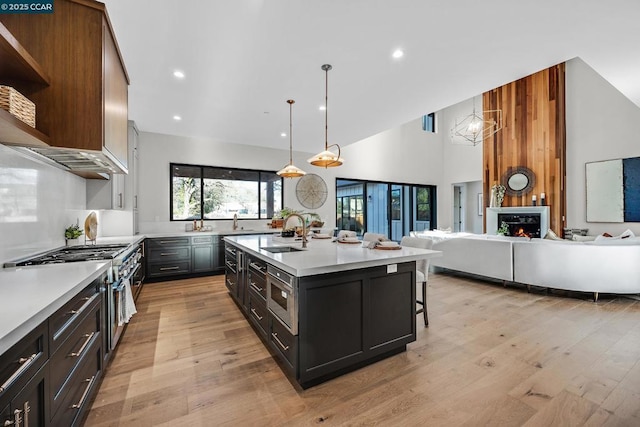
(521, 225)
(525, 216)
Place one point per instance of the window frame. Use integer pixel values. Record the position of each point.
(202, 168)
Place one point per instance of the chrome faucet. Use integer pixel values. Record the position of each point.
(304, 227)
(235, 221)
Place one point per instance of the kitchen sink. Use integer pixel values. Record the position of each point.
(280, 249)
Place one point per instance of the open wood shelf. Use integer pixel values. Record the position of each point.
(16, 132)
(16, 63)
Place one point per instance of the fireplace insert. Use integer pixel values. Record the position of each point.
(521, 225)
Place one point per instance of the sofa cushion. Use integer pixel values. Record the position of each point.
(627, 234)
(551, 235)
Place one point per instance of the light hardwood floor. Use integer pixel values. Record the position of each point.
(491, 356)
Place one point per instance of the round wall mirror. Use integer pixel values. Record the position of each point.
(518, 181)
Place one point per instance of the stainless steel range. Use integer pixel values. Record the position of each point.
(126, 265)
(73, 254)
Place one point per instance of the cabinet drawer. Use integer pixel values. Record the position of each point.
(258, 266)
(63, 322)
(230, 280)
(22, 361)
(79, 389)
(231, 262)
(258, 313)
(257, 284)
(230, 251)
(178, 253)
(202, 240)
(167, 242)
(284, 343)
(71, 352)
(168, 269)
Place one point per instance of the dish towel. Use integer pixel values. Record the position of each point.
(127, 304)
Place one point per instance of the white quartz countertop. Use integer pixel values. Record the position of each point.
(325, 256)
(31, 294)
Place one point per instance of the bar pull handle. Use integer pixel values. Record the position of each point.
(168, 253)
(84, 395)
(169, 268)
(25, 362)
(84, 345)
(253, 310)
(255, 287)
(27, 409)
(275, 337)
(256, 266)
(230, 283)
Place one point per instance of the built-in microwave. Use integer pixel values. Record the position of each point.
(282, 295)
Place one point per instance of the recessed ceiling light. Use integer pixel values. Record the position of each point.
(283, 134)
(398, 53)
(177, 118)
(322, 108)
(178, 74)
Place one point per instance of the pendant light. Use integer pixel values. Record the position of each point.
(291, 171)
(327, 158)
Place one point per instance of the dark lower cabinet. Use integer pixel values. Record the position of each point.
(350, 319)
(28, 407)
(50, 376)
(203, 257)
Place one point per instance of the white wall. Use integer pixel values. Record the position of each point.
(156, 151)
(37, 202)
(404, 154)
(601, 124)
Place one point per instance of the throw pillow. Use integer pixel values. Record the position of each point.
(577, 238)
(551, 235)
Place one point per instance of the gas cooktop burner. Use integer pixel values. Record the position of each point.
(75, 254)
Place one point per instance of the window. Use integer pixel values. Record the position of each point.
(429, 122)
(207, 192)
(386, 208)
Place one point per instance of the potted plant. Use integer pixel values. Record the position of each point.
(278, 218)
(504, 229)
(71, 234)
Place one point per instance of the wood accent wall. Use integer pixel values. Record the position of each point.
(533, 136)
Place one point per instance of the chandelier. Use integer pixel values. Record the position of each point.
(477, 125)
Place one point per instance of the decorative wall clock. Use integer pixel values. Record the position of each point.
(311, 191)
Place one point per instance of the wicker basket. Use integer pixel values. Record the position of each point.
(18, 105)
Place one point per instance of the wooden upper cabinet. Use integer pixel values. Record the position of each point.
(85, 105)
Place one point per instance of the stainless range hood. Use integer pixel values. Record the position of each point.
(85, 163)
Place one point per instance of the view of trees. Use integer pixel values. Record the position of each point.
(249, 194)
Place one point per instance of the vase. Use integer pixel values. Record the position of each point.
(72, 242)
(493, 201)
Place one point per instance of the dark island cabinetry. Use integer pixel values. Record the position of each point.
(352, 318)
(345, 320)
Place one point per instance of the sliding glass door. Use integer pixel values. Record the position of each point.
(391, 209)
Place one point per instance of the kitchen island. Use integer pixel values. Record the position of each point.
(326, 309)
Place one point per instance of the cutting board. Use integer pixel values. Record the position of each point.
(91, 226)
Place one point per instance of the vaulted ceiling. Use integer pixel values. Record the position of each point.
(242, 60)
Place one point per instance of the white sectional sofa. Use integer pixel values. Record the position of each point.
(579, 266)
(484, 255)
(609, 266)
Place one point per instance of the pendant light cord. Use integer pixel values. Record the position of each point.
(290, 102)
(326, 108)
